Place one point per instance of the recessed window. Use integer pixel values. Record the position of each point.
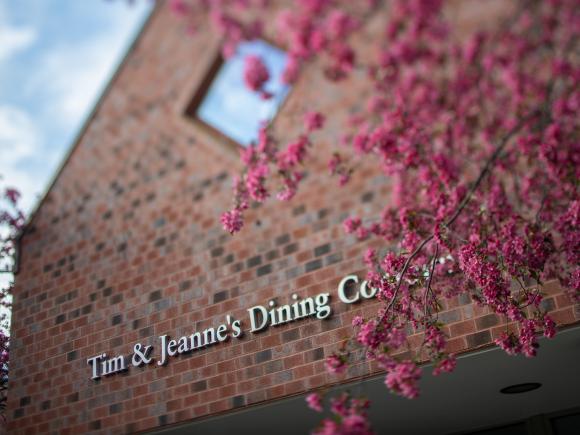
(224, 102)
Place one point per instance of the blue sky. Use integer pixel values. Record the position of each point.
(234, 109)
(56, 57)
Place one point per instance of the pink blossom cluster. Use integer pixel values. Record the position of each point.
(314, 121)
(338, 167)
(179, 7)
(350, 416)
(264, 158)
(445, 365)
(403, 378)
(225, 16)
(318, 28)
(12, 221)
(232, 221)
(478, 137)
(336, 364)
(525, 342)
(314, 402)
(256, 75)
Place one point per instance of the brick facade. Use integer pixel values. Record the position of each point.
(127, 246)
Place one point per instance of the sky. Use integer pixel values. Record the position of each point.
(228, 93)
(56, 57)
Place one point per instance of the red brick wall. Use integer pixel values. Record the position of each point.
(127, 246)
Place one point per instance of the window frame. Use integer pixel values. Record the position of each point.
(202, 89)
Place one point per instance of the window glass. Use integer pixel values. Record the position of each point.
(566, 425)
(233, 109)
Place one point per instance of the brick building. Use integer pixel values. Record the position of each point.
(126, 248)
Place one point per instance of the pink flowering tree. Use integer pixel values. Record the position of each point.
(11, 222)
(478, 135)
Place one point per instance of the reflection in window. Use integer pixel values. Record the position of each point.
(566, 425)
(230, 107)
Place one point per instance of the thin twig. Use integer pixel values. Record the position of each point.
(487, 168)
(431, 273)
(488, 165)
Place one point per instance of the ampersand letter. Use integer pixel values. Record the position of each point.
(141, 357)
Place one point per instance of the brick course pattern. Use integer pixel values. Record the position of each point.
(127, 246)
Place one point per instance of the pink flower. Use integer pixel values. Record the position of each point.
(350, 417)
(396, 337)
(334, 163)
(370, 258)
(361, 143)
(290, 186)
(314, 402)
(357, 321)
(339, 24)
(179, 7)
(290, 74)
(232, 221)
(294, 154)
(402, 379)
(355, 424)
(335, 364)
(329, 427)
(12, 195)
(527, 338)
(392, 263)
(434, 339)
(509, 343)
(343, 179)
(249, 155)
(337, 167)
(446, 365)
(574, 284)
(255, 182)
(549, 327)
(255, 73)
(313, 121)
(340, 405)
(351, 225)
(370, 335)
(435, 101)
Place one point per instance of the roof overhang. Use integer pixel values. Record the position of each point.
(465, 400)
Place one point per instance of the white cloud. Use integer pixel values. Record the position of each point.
(18, 135)
(72, 75)
(63, 78)
(19, 140)
(14, 40)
